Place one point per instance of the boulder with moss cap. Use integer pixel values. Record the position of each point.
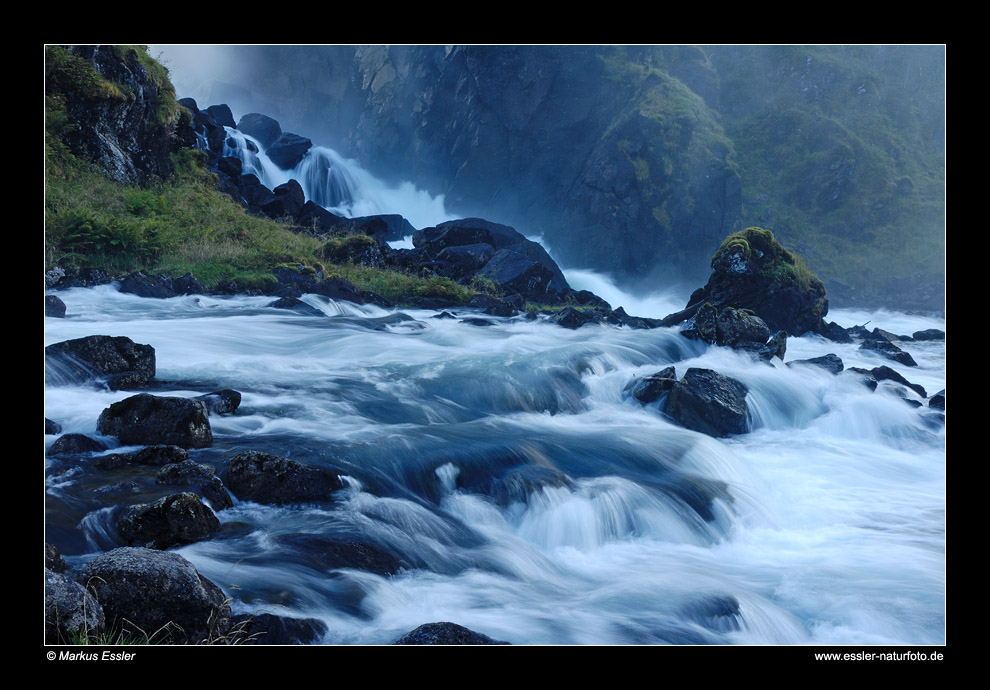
(753, 271)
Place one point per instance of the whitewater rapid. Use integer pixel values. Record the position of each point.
(527, 494)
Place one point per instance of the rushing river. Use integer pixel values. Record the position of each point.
(526, 494)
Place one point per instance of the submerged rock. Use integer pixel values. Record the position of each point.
(149, 419)
(706, 401)
(446, 634)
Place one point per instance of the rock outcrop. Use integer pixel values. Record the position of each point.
(122, 108)
(752, 271)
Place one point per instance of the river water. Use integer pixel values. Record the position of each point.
(524, 492)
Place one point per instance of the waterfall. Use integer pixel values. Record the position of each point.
(338, 184)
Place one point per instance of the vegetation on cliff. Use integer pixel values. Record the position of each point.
(841, 153)
(176, 225)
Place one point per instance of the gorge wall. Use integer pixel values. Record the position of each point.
(639, 160)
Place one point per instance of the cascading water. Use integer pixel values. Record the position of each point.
(338, 184)
(519, 490)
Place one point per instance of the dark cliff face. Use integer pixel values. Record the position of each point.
(120, 113)
(617, 163)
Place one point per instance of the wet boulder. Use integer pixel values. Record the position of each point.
(706, 401)
(261, 127)
(263, 478)
(116, 358)
(75, 444)
(651, 388)
(54, 307)
(929, 334)
(575, 318)
(288, 200)
(197, 477)
(446, 634)
(225, 401)
(149, 419)
(887, 349)
(830, 363)
(160, 593)
(170, 521)
(288, 150)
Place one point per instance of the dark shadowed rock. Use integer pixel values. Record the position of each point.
(197, 477)
(54, 307)
(288, 201)
(254, 193)
(148, 419)
(736, 326)
(188, 285)
(517, 272)
(650, 388)
(288, 150)
(297, 305)
(97, 356)
(709, 402)
(261, 127)
(886, 348)
(929, 334)
(144, 590)
(54, 560)
(222, 115)
(752, 271)
(144, 285)
(938, 401)
(52, 428)
(155, 456)
(269, 629)
(73, 444)
(836, 333)
(885, 373)
(230, 166)
(170, 521)
(71, 613)
(829, 362)
(445, 634)
(575, 318)
(263, 478)
(221, 402)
